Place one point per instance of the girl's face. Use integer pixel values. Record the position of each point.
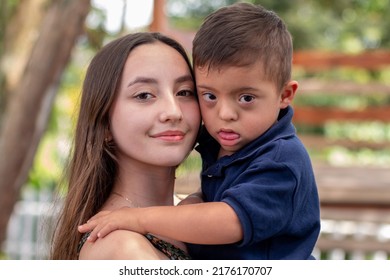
(155, 117)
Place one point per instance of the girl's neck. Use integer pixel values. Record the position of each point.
(140, 187)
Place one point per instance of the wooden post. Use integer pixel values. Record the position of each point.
(159, 21)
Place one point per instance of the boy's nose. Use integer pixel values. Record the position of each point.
(226, 112)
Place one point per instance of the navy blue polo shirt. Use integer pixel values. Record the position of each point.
(271, 186)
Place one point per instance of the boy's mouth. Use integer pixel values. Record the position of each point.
(228, 137)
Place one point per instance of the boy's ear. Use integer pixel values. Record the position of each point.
(288, 94)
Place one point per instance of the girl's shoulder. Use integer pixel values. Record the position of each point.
(120, 245)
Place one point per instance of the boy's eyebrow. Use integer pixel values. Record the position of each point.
(239, 89)
(204, 86)
(245, 89)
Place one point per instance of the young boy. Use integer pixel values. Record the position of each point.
(260, 194)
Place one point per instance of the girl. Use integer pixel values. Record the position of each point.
(138, 120)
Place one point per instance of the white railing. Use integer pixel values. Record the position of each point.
(30, 227)
(31, 224)
(354, 240)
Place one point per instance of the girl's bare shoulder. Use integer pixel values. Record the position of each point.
(120, 245)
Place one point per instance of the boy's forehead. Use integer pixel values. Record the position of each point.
(217, 65)
(220, 69)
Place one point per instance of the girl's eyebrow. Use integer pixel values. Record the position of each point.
(185, 78)
(145, 80)
(142, 80)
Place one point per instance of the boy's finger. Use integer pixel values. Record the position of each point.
(93, 236)
(83, 228)
(88, 226)
(106, 230)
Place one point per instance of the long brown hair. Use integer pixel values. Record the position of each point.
(92, 168)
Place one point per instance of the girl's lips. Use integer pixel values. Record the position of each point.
(170, 136)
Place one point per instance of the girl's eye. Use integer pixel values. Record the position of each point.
(246, 98)
(143, 96)
(209, 96)
(185, 93)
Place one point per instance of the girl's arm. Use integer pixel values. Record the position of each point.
(203, 223)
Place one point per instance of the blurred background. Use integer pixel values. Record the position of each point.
(342, 109)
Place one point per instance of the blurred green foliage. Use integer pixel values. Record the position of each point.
(191, 164)
(54, 148)
(375, 132)
(342, 25)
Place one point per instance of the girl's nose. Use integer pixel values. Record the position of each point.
(171, 110)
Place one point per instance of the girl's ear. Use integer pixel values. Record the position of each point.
(107, 135)
(288, 94)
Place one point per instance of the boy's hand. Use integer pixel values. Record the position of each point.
(105, 222)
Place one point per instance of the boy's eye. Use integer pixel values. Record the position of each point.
(209, 96)
(144, 96)
(246, 98)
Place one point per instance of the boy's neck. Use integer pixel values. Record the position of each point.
(223, 153)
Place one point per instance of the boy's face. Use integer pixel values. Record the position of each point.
(238, 104)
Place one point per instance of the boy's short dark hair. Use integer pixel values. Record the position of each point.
(242, 34)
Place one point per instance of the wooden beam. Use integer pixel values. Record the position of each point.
(313, 86)
(320, 142)
(353, 185)
(320, 60)
(320, 115)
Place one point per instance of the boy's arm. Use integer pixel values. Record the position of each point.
(202, 223)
